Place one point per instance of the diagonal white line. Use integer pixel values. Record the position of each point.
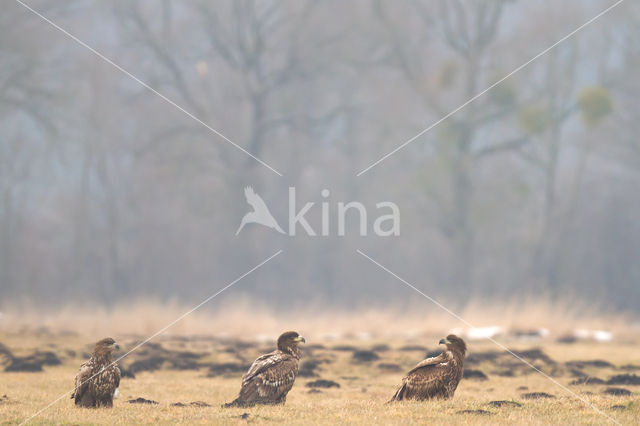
(145, 85)
(500, 345)
(157, 333)
(572, 33)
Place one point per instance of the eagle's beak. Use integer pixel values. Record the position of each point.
(300, 339)
(443, 342)
(116, 346)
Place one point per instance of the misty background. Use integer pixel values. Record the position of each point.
(110, 194)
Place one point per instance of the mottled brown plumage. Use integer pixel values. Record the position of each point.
(98, 379)
(437, 377)
(271, 376)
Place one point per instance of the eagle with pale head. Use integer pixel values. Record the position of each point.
(436, 377)
(271, 376)
(98, 379)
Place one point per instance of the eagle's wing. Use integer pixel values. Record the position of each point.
(82, 381)
(423, 381)
(261, 363)
(429, 362)
(254, 199)
(269, 379)
(108, 383)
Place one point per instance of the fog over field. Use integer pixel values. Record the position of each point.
(109, 193)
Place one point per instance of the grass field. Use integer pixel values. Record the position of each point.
(205, 369)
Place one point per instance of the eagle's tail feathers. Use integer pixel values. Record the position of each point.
(399, 395)
(237, 403)
(234, 403)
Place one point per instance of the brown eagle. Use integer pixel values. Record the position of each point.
(98, 379)
(271, 376)
(436, 377)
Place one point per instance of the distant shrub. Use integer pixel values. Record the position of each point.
(595, 104)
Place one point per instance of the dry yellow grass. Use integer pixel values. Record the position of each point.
(364, 389)
(348, 405)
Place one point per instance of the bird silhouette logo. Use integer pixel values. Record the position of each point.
(260, 213)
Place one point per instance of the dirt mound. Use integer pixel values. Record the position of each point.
(595, 363)
(23, 365)
(537, 395)
(567, 339)
(154, 356)
(191, 404)
(533, 355)
(33, 362)
(630, 367)
(509, 365)
(322, 383)
(510, 372)
(364, 356)
(141, 400)
(146, 364)
(382, 347)
(390, 367)
(617, 391)
(476, 412)
(475, 375)
(480, 357)
(309, 368)
(586, 380)
(624, 379)
(505, 404)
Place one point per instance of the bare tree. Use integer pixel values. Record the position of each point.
(466, 30)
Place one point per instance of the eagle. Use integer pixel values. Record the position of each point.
(271, 376)
(436, 377)
(98, 379)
